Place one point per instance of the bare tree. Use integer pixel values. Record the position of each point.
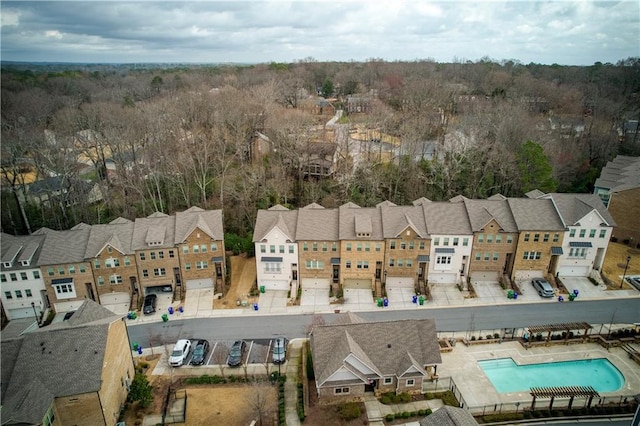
(259, 401)
(220, 356)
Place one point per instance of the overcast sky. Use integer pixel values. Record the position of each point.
(565, 32)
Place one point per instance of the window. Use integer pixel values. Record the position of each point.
(525, 255)
(443, 260)
(315, 264)
(509, 239)
(109, 250)
(273, 267)
(498, 239)
(538, 254)
(50, 271)
(18, 294)
(481, 238)
(572, 233)
(478, 255)
(49, 417)
(187, 266)
(145, 273)
(421, 245)
(348, 246)
(465, 242)
(8, 295)
(143, 256)
(411, 382)
(214, 247)
(487, 255)
(583, 232)
(171, 255)
(489, 238)
(27, 292)
(347, 264)
(36, 275)
(359, 264)
(281, 248)
(161, 253)
(403, 245)
(388, 380)
(159, 272)
(185, 249)
(526, 236)
(127, 260)
(66, 291)
(367, 246)
(272, 248)
(531, 255)
(445, 241)
(400, 263)
(546, 238)
(23, 276)
(592, 233)
(378, 246)
(291, 248)
(113, 262)
(603, 233)
(325, 247)
(456, 240)
(195, 249)
(3, 278)
(82, 269)
(341, 391)
(495, 256)
(305, 246)
(334, 246)
(392, 245)
(263, 248)
(409, 263)
(536, 238)
(314, 246)
(556, 238)
(115, 279)
(578, 252)
(61, 270)
(365, 264)
(436, 241)
(13, 276)
(202, 264)
(392, 262)
(152, 255)
(203, 248)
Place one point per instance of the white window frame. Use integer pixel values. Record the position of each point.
(410, 382)
(387, 381)
(65, 291)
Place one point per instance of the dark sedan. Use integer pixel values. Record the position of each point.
(200, 352)
(150, 302)
(236, 353)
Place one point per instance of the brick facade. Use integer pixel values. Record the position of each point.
(83, 284)
(539, 260)
(493, 251)
(361, 260)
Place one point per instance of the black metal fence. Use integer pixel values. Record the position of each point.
(174, 408)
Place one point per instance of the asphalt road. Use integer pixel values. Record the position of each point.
(249, 327)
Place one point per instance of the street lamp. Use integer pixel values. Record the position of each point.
(33, 305)
(625, 271)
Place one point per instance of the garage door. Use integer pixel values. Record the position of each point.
(198, 284)
(573, 271)
(275, 285)
(485, 276)
(67, 306)
(443, 278)
(319, 283)
(357, 283)
(18, 313)
(116, 302)
(400, 282)
(527, 275)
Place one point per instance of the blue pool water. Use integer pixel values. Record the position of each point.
(507, 376)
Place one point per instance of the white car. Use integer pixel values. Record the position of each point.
(180, 353)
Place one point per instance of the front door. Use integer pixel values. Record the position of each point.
(371, 386)
(336, 273)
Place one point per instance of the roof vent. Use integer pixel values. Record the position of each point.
(389, 345)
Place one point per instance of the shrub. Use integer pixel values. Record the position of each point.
(528, 415)
(489, 337)
(473, 338)
(349, 411)
(496, 335)
(389, 417)
(428, 412)
(384, 399)
(398, 415)
(421, 412)
(502, 417)
(143, 364)
(310, 373)
(413, 414)
(404, 397)
(405, 414)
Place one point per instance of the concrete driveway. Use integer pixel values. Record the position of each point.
(587, 290)
(446, 295)
(356, 299)
(314, 299)
(401, 297)
(273, 301)
(198, 302)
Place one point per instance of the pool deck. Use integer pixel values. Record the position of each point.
(477, 390)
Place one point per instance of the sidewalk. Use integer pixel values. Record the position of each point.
(291, 385)
(377, 411)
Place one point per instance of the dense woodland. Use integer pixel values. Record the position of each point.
(183, 135)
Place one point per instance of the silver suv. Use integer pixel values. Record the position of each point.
(543, 287)
(180, 353)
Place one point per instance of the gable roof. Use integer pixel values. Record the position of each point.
(387, 348)
(623, 170)
(537, 214)
(481, 212)
(118, 235)
(60, 247)
(446, 218)
(573, 207)
(17, 248)
(354, 220)
(318, 224)
(41, 370)
(208, 221)
(449, 416)
(156, 227)
(266, 220)
(396, 219)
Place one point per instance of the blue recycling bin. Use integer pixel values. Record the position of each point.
(385, 302)
(255, 306)
(181, 309)
(415, 299)
(576, 292)
(139, 350)
(515, 294)
(560, 299)
(171, 310)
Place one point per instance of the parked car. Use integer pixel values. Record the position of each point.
(543, 287)
(180, 353)
(200, 352)
(150, 302)
(236, 353)
(167, 289)
(634, 281)
(279, 350)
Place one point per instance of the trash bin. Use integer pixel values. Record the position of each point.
(139, 350)
(510, 294)
(165, 317)
(575, 292)
(386, 302)
(421, 300)
(171, 310)
(262, 289)
(415, 299)
(571, 297)
(134, 315)
(135, 346)
(181, 309)
(128, 315)
(515, 294)
(560, 299)
(255, 306)
(379, 302)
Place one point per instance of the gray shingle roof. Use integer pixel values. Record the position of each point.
(383, 346)
(535, 214)
(354, 219)
(61, 247)
(266, 220)
(18, 248)
(208, 221)
(449, 416)
(55, 361)
(445, 218)
(573, 207)
(118, 235)
(317, 224)
(481, 212)
(396, 218)
(623, 170)
(157, 227)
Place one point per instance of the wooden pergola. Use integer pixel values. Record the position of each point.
(563, 392)
(566, 327)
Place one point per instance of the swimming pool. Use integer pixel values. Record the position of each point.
(507, 376)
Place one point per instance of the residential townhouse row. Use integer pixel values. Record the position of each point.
(114, 264)
(456, 241)
(379, 248)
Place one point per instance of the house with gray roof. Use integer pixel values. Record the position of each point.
(276, 250)
(449, 416)
(622, 172)
(352, 359)
(21, 282)
(75, 372)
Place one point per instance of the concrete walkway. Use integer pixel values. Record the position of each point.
(291, 385)
(377, 411)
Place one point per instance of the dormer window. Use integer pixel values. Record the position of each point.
(25, 262)
(7, 264)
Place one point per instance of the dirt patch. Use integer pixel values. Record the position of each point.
(243, 278)
(322, 415)
(615, 262)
